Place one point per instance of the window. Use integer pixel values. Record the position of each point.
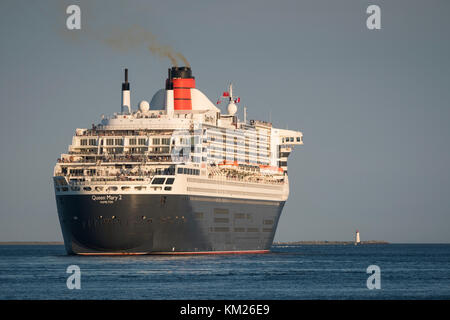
(158, 180)
(116, 150)
(298, 139)
(198, 215)
(132, 142)
(170, 180)
(156, 141)
(220, 211)
(141, 141)
(83, 142)
(119, 142)
(221, 229)
(76, 172)
(165, 141)
(190, 171)
(92, 142)
(109, 142)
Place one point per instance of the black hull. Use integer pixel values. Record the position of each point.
(149, 224)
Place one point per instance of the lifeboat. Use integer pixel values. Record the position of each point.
(265, 169)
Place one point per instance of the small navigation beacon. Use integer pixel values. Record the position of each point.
(357, 239)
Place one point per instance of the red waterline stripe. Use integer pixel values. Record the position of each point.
(170, 253)
(213, 252)
(112, 253)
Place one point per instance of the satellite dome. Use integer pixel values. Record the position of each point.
(144, 106)
(232, 109)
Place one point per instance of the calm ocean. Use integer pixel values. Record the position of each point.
(408, 271)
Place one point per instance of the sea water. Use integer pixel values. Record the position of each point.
(406, 271)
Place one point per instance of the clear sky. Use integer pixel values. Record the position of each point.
(373, 105)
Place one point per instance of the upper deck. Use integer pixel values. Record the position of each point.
(180, 126)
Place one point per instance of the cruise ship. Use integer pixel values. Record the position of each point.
(178, 175)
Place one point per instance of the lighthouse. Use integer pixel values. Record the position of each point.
(357, 239)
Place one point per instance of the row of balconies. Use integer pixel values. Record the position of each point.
(127, 141)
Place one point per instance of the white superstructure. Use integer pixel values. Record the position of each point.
(179, 143)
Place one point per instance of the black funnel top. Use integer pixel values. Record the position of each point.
(180, 72)
(126, 84)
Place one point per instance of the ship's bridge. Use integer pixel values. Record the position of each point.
(290, 137)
